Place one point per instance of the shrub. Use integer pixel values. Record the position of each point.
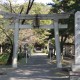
(4, 58)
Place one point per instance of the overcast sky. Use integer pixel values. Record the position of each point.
(39, 1)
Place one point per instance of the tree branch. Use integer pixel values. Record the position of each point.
(6, 35)
(10, 6)
(28, 9)
(22, 8)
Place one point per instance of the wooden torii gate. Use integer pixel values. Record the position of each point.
(16, 26)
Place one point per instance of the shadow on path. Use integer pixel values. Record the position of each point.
(37, 68)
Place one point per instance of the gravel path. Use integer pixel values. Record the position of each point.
(37, 68)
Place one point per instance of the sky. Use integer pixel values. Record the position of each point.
(39, 1)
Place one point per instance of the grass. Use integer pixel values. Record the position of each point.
(3, 58)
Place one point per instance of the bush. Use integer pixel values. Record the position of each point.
(21, 55)
(4, 58)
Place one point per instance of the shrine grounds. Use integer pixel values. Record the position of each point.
(38, 67)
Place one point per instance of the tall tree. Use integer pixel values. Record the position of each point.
(8, 6)
(64, 6)
(39, 35)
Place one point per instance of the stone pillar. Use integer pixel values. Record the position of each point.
(76, 65)
(75, 73)
(15, 48)
(57, 44)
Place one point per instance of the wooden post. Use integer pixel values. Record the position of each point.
(26, 56)
(15, 49)
(58, 52)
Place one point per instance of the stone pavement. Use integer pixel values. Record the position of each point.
(37, 68)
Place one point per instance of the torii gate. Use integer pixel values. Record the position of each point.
(54, 17)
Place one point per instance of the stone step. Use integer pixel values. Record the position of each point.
(76, 67)
(74, 75)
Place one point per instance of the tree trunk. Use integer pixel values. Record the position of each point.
(9, 61)
(61, 44)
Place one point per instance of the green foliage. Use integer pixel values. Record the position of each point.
(63, 6)
(41, 35)
(39, 8)
(66, 6)
(52, 41)
(45, 22)
(4, 58)
(20, 56)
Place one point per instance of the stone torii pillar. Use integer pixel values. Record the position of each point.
(15, 47)
(57, 43)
